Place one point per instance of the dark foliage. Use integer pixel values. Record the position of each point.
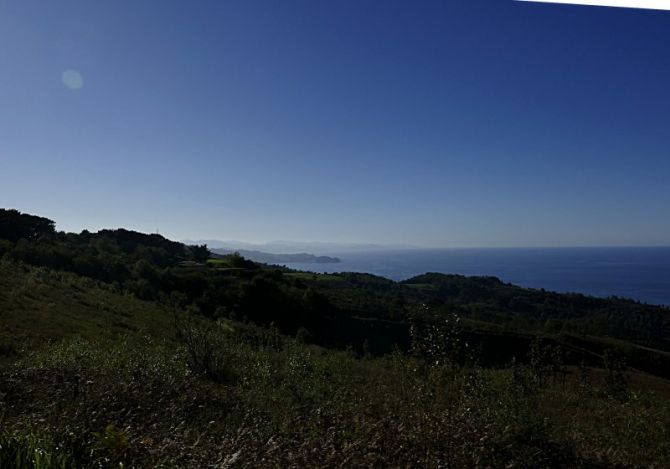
(15, 225)
(368, 313)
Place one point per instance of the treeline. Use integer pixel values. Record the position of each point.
(141, 263)
(490, 300)
(157, 269)
(363, 311)
(132, 260)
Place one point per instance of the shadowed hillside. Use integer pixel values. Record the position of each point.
(120, 347)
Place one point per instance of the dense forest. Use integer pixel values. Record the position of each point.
(273, 362)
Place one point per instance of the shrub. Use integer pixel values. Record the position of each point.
(207, 348)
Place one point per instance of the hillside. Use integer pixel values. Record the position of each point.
(39, 306)
(120, 347)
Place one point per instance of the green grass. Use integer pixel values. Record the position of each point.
(32, 452)
(218, 262)
(38, 305)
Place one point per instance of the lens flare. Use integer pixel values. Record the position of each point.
(72, 79)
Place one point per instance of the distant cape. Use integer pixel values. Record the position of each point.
(299, 247)
(270, 258)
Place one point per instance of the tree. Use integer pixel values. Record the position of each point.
(200, 253)
(237, 260)
(15, 225)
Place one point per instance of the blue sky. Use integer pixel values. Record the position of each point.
(434, 123)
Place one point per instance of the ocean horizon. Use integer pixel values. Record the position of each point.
(638, 273)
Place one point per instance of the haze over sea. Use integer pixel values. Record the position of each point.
(640, 273)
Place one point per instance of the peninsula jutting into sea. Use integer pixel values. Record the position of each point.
(269, 258)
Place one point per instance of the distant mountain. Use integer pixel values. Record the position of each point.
(298, 247)
(270, 258)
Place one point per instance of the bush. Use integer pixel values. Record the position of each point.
(207, 348)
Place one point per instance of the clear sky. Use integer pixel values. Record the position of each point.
(434, 123)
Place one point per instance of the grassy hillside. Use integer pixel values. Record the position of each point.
(341, 310)
(161, 360)
(97, 377)
(39, 306)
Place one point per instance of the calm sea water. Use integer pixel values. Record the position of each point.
(639, 273)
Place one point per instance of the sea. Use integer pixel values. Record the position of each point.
(638, 273)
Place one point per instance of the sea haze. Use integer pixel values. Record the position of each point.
(640, 273)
